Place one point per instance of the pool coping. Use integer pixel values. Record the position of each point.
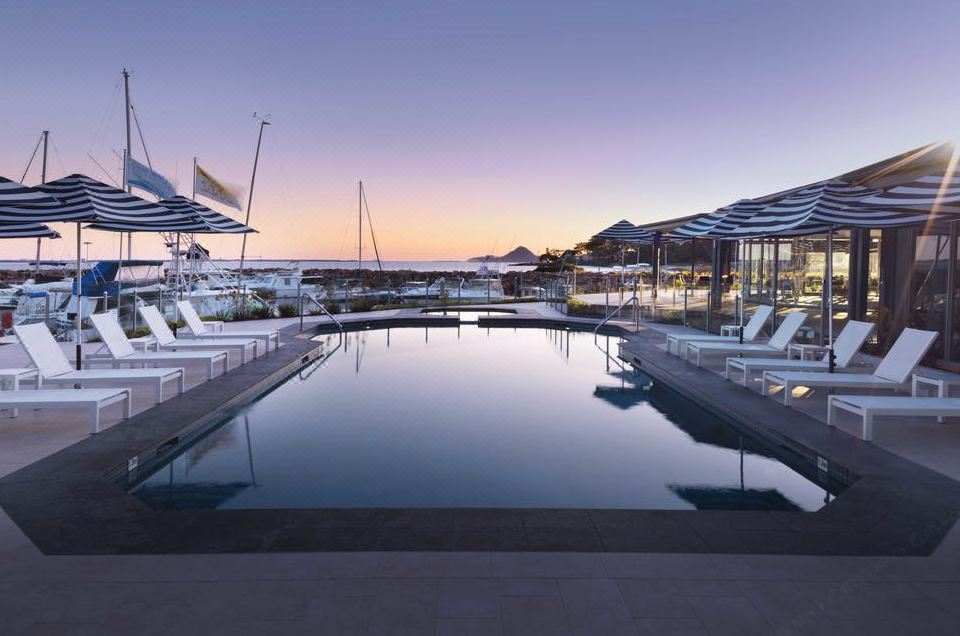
(72, 503)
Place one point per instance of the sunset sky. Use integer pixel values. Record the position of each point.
(475, 126)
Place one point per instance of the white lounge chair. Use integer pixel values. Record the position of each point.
(869, 406)
(199, 328)
(122, 352)
(94, 400)
(777, 344)
(891, 374)
(48, 357)
(846, 346)
(169, 342)
(677, 343)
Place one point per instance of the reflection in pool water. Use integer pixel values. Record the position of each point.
(475, 417)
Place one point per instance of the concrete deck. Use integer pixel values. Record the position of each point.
(482, 592)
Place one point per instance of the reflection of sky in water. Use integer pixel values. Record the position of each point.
(474, 417)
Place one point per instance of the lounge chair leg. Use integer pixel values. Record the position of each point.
(181, 383)
(831, 411)
(158, 397)
(867, 433)
(787, 393)
(95, 419)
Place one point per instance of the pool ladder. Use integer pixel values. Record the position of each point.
(313, 299)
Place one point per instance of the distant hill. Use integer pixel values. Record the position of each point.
(518, 255)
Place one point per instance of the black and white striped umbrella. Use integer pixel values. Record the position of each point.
(216, 223)
(17, 196)
(86, 199)
(26, 230)
(626, 232)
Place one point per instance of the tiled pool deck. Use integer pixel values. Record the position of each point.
(477, 592)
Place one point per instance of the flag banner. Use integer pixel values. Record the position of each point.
(213, 189)
(141, 176)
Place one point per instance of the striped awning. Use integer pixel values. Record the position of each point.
(718, 223)
(811, 210)
(18, 196)
(85, 199)
(626, 232)
(26, 230)
(933, 194)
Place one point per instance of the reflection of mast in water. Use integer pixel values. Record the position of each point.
(246, 425)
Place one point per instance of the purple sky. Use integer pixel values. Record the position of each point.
(476, 126)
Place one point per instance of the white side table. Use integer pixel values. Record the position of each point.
(729, 330)
(11, 378)
(803, 350)
(941, 383)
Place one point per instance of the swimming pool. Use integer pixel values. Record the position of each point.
(474, 417)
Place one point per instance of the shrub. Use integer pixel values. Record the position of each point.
(287, 310)
(139, 332)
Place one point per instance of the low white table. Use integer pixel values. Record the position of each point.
(11, 379)
(803, 350)
(729, 330)
(940, 382)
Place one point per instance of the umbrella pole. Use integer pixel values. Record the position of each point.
(177, 297)
(743, 254)
(828, 289)
(78, 318)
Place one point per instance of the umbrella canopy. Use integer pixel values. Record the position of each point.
(626, 232)
(216, 222)
(26, 230)
(86, 199)
(16, 197)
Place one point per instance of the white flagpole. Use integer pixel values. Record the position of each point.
(253, 179)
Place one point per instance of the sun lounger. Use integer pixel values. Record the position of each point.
(869, 406)
(94, 400)
(777, 344)
(54, 368)
(845, 347)
(122, 352)
(169, 342)
(199, 328)
(891, 374)
(677, 343)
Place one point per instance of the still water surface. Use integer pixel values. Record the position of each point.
(475, 417)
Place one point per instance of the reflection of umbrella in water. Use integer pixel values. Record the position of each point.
(732, 498)
(633, 389)
(190, 496)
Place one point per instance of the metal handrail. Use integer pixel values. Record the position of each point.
(633, 299)
(316, 302)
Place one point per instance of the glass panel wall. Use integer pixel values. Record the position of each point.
(928, 284)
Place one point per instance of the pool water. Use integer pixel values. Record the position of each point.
(475, 417)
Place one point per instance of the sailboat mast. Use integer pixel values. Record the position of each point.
(253, 179)
(360, 229)
(126, 101)
(126, 157)
(43, 179)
